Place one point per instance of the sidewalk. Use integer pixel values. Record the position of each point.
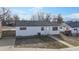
(63, 42)
(5, 48)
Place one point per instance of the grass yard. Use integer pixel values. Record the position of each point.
(71, 39)
(38, 42)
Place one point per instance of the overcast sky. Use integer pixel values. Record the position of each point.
(66, 12)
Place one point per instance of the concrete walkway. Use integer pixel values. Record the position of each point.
(6, 48)
(63, 42)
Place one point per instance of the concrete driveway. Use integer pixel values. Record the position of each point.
(7, 42)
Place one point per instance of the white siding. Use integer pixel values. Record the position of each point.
(34, 30)
(52, 32)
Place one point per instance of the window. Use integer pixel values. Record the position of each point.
(42, 28)
(55, 28)
(75, 29)
(60, 27)
(23, 28)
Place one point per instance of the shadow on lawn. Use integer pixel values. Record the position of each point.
(32, 39)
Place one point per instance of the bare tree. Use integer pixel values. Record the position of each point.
(16, 17)
(38, 16)
(48, 17)
(41, 16)
(4, 15)
(32, 18)
(60, 19)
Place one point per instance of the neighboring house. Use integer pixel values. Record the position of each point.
(64, 27)
(10, 22)
(29, 28)
(74, 26)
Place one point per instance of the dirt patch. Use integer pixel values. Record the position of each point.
(38, 42)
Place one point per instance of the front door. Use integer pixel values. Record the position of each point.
(47, 30)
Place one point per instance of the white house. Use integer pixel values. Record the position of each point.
(74, 26)
(29, 28)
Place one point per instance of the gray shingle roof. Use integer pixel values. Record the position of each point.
(36, 23)
(73, 24)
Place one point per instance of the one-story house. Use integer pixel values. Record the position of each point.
(29, 28)
(74, 26)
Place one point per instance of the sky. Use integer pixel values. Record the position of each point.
(66, 12)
